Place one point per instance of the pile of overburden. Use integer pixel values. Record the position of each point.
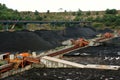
(41, 39)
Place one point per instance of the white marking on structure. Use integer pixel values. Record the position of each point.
(52, 62)
(13, 72)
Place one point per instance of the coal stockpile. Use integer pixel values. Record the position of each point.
(53, 37)
(97, 51)
(76, 32)
(105, 30)
(101, 51)
(113, 42)
(94, 60)
(22, 41)
(66, 74)
(41, 39)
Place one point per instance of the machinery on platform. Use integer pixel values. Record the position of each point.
(105, 36)
(80, 42)
(108, 35)
(16, 61)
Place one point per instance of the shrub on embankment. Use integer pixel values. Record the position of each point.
(109, 18)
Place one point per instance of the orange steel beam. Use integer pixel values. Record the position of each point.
(63, 51)
(33, 60)
(6, 68)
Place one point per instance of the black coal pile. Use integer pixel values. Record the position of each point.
(21, 41)
(97, 51)
(53, 37)
(105, 30)
(66, 74)
(41, 39)
(102, 51)
(113, 42)
(77, 31)
(107, 60)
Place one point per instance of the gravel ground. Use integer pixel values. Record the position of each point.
(66, 74)
(94, 60)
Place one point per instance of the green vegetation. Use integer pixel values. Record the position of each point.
(109, 18)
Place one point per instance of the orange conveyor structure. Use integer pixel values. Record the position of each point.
(26, 57)
(6, 67)
(77, 44)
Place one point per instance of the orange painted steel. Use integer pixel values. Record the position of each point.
(32, 60)
(22, 59)
(24, 54)
(108, 35)
(77, 44)
(62, 51)
(6, 67)
(80, 42)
